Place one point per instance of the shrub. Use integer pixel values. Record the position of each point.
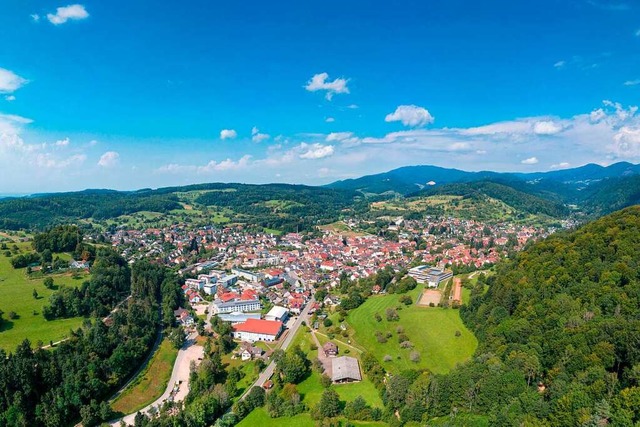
(399, 329)
(392, 315)
(406, 344)
(378, 317)
(387, 358)
(414, 356)
(381, 338)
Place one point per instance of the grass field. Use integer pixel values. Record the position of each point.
(17, 296)
(432, 331)
(151, 382)
(260, 417)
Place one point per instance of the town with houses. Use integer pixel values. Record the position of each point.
(236, 274)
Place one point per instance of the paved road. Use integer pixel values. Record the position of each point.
(181, 369)
(268, 372)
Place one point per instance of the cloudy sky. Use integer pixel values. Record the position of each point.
(121, 94)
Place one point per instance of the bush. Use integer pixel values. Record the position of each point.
(378, 317)
(327, 322)
(414, 356)
(381, 338)
(406, 344)
(400, 329)
(406, 300)
(392, 315)
(403, 337)
(387, 358)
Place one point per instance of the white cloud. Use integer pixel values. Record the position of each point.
(559, 64)
(10, 82)
(225, 165)
(228, 134)
(320, 82)
(47, 160)
(352, 107)
(256, 136)
(596, 115)
(9, 98)
(638, 32)
(329, 120)
(109, 159)
(632, 82)
(410, 115)
(626, 142)
(63, 142)
(546, 127)
(74, 12)
(35, 17)
(562, 165)
(316, 151)
(338, 136)
(530, 161)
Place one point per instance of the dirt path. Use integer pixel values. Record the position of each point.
(457, 289)
(326, 361)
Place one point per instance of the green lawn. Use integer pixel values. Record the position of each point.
(431, 330)
(151, 382)
(260, 417)
(311, 389)
(17, 296)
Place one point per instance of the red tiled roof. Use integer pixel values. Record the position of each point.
(229, 296)
(259, 326)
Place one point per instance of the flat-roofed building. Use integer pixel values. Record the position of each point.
(432, 276)
(278, 313)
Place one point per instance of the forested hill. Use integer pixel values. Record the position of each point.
(519, 200)
(44, 210)
(278, 206)
(559, 331)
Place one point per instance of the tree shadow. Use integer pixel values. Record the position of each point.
(6, 325)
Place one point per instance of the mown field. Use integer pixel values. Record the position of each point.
(261, 418)
(150, 383)
(16, 291)
(431, 330)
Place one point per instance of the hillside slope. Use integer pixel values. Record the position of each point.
(559, 332)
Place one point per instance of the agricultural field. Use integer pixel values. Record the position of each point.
(150, 383)
(17, 297)
(437, 334)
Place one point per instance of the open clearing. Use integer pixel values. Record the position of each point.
(430, 296)
(431, 330)
(260, 417)
(17, 296)
(151, 383)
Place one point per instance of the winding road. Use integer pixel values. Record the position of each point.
(190, 352)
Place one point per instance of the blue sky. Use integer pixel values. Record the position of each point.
(125, 95)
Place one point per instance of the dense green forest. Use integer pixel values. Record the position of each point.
(42, 211)
(72, 382)
(559, 331)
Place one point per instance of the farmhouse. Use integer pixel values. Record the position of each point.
(258, 330)
(248, 352)
(345, 370)
(330, 349)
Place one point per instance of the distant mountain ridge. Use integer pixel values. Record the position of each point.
(409, 179)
